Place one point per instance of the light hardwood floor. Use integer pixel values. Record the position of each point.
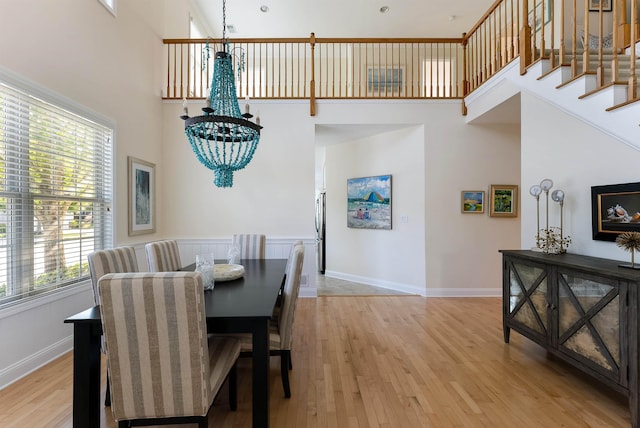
(383, 361)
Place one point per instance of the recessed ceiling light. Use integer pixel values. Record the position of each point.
(384, 9)
(264, 8)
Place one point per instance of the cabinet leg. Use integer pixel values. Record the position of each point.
(633, 408)
(506, 331)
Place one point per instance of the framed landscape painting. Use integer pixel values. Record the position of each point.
(141, 183)
(504, 200)
(472, 201)
(369, 202)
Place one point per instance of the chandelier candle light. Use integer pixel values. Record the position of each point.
(223, 139)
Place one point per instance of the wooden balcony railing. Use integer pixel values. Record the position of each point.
(333, 68)
(322, 68)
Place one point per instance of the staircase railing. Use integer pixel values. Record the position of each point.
(588, 37)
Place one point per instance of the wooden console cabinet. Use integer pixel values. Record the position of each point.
(584, 310)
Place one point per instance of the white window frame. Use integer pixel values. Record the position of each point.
(15, 290)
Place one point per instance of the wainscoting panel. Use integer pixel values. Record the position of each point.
(276, 248)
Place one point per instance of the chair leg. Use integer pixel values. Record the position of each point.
(124, 424)
(107, 394)
(285, 358)
(203, 423)
(290, 363)
(233, 387)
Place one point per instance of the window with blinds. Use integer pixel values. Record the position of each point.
(55, 193)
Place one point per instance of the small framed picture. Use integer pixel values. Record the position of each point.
(503, 200)
(594, 5)
(472, 201)
(142, 216)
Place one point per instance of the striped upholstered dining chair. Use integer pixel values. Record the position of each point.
(102, 262)
(281, 334)
(251, 246)
(113, 260)
(276, 310)
(163, 256)
(164, 368)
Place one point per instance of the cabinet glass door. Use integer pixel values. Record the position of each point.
(528, 296)
(589, 320)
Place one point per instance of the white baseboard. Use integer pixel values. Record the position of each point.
(308, 292)
(22, 368)
(390, 285)
(425, 292)
(464, 292)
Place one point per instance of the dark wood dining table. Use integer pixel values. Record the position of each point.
(243, 305)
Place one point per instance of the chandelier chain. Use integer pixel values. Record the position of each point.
(224, 21)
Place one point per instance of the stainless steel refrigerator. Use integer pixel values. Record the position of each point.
(321, 230)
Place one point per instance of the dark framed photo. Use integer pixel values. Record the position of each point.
(142, 199)
(594, 5)
(504, 200)
(472, 201)
(615, 209)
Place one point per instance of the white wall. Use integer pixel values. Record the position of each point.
(108, 65)
(462, 249)
(436, 157)
(389, 258)
(111, 65)
(575, 156)
(273, 195)
(176, 19)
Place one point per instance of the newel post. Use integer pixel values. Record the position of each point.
(465, 80)
(525, 39)
(312, 89)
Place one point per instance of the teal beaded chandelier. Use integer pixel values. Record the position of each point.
(223, 139)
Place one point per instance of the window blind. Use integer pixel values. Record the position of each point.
(55, 194)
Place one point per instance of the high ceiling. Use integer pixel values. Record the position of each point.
(344, 18)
